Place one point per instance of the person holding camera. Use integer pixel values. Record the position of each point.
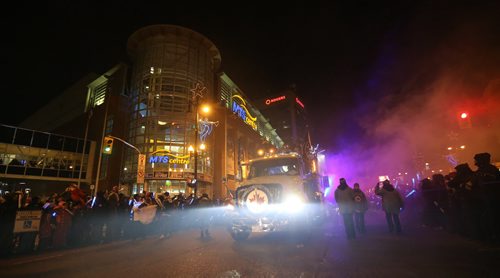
(392, 203)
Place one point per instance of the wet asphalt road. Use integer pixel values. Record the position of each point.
(418, 252)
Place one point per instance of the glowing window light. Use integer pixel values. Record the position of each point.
(464, 115)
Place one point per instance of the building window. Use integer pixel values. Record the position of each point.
(99, 94)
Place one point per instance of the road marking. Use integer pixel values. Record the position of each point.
(37, 259)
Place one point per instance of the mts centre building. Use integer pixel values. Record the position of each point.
(154, 110)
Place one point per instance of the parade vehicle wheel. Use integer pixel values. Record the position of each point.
(240, 236)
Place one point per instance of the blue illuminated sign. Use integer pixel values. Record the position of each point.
(241, 110)
(159, 159)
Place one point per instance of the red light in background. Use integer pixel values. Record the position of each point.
(297, 100)
(276, 99)
(464, 121)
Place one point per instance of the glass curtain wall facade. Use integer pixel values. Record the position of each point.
(39, 155)
(168, 63)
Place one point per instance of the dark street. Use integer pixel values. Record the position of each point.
(418, 252)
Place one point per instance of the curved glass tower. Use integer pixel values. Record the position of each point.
(169, 63)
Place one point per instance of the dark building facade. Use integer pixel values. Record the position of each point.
(288, 115)
(93, 107)
(152, 108)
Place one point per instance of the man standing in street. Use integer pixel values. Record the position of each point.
(360, 207)
(344, 196)
(392, 203)
(204, 214)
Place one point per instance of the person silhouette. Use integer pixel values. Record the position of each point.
(392, 203)
(344, 196)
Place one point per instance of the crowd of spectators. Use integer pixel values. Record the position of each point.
(74, 219)
(464, 202)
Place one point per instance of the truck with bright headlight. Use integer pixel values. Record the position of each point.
(277, 193)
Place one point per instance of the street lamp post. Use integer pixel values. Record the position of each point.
(203, 133)
(197, 94)
(196, 152)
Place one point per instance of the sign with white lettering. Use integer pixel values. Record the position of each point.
(27, 221)
(161, 175)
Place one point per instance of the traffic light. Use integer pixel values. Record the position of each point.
(464, 120)
(107, 145)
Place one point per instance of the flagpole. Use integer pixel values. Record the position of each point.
(107, 101)
(84, 147)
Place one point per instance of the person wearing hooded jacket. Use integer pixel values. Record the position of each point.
(392, 203)
(360, 207)
(344, 196)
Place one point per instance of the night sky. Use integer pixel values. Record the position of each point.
(352, 61)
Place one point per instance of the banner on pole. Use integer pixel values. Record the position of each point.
(141, 168)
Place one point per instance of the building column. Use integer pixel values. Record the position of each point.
(220, 149)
